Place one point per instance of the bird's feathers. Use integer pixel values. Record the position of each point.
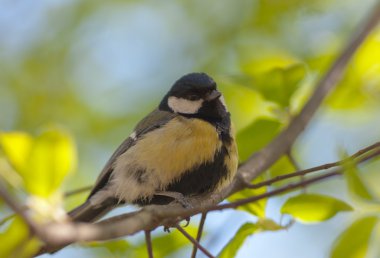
(184, 145)
(161, 157)
(88, 212)
(154, 120)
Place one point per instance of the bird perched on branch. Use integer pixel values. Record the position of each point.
(183, 148)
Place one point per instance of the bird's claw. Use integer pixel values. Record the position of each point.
(175, 224)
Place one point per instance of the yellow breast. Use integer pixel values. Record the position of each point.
(177, 147)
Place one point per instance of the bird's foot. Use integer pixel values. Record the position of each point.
(173, 224)
(178, 197)
(181, 199)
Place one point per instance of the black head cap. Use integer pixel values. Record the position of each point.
(195, 82)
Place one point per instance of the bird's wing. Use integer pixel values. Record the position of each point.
(154, 120)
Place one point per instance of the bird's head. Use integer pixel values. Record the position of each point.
(195, 95)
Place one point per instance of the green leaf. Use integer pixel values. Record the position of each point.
(314, 207)
(245, 104)
(16, 242)
(360, 87)
(280, 83)
(269, 225)
(302, 94)
(52, 157)
(256, 136)
(266, 61)
(170, 243)
(233, 246)
(164, 245)
(118, 248)
(281, 167)
(354, 241)
(355, 184)
(253, 208)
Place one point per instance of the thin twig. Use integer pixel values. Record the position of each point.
(296, 166)
(152, 217)
(148, 241)
(67, 194)
(17, 208)
(277, 191)
(289, 187)
(199, 234)
(6, 219)
(78, 191)
(262, 160)
(317, 168)
(195, 242)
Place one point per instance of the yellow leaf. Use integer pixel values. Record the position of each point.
(16, 146)
(16, 241)
(52, 157)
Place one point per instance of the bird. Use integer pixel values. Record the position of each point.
(184, 148)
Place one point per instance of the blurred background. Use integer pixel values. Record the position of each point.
(97, 67)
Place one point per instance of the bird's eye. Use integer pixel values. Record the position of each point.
(193, 97)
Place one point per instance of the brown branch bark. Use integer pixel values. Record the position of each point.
(153, 216)
(17, 208)
(261, 161)
(296, 166)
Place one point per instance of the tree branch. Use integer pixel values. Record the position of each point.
(153, 216)
(67, 194)
(261, 161)
(17, 208)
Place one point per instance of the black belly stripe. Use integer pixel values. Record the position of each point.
(203, 179)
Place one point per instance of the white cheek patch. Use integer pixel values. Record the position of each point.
(221, 99)
(185, 106)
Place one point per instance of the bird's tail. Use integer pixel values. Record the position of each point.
(87, 212)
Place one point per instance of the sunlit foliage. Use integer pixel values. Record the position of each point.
(94, 68)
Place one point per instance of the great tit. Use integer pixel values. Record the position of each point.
(185, 146)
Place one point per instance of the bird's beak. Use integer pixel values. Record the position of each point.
(213, 95)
